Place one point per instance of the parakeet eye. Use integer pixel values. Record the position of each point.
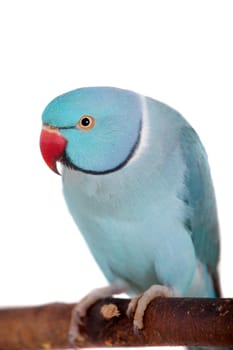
(86, 122)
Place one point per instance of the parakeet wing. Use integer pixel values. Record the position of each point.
(199, 196)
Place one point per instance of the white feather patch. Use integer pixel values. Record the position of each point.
(144, 137)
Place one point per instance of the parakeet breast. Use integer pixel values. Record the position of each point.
(121, 216)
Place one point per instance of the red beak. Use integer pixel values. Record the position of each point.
(52, 146)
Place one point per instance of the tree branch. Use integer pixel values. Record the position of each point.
(168, 321)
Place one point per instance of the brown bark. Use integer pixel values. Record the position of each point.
(168, 321)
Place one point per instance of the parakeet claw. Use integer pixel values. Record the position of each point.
(80, 309)
(132, 306)
(139, 304)
(76, 322)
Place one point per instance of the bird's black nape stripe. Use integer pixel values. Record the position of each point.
(65, 160)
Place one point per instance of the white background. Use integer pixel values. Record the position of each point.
(179, 52)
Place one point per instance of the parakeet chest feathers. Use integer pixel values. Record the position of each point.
(128, 194)
(123, 198)
(116, 211)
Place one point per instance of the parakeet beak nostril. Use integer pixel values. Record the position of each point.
(52, 146)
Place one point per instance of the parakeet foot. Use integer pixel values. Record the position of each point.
(80, 309)
(139, 304)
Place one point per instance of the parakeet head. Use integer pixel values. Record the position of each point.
(95, 130)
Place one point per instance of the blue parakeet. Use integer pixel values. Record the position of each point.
(137, 183)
